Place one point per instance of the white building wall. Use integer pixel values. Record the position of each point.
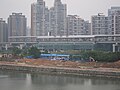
(75, 25)
(99, 24)
(114, 20)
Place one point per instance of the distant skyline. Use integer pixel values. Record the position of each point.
(83, 8)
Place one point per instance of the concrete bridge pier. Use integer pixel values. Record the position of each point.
(6, 47)
(116, 47)
(21, 46)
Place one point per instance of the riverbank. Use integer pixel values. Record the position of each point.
(42, 68)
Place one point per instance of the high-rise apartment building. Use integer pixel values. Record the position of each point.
(60, 12)
(87, 28)
(48, 22)
(17, 25)
(75, 25)
(39, 19)
(28, 31)
(114, 20)
(99, 24)
(3, 31)
(52, 22)
(46, 32)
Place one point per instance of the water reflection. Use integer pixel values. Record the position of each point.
(64, 80)
(56, 80)
(105, 81)
(23, 81)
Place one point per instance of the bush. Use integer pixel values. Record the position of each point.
(102, 56)
(35, 52)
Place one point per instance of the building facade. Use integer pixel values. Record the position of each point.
(99, 24)
(17, 25)
(60, 17)
(74, 25)
(77, 26)
(39, 19)
(87, 28)
(114, 20)
(45, 22)
(46, 32)
(3, 31)
(52, 22)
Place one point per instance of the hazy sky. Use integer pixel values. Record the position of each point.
(83, 8)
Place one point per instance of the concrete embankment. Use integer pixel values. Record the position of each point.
(94, 72)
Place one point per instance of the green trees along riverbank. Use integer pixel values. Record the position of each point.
(100, 56)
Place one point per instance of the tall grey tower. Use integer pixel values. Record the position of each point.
(58, 19)
(3, 31)
(17, 24)
(39, 18)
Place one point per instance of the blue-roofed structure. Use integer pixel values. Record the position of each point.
(55, 56)
(29, 57)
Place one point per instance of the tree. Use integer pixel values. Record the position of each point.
(16, 51)
(45, 52)
(34, 51)
(102, 56)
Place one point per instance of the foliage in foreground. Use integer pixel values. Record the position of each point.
(16, 51)
(102, 56)
(34, 51)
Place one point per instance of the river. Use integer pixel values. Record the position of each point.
(25, 81)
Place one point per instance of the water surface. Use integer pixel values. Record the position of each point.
(25, 81)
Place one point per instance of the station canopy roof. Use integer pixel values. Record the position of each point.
(54, 55)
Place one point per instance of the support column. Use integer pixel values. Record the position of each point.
(21, 46)
(6, 47)
(118, 47)
(113, 47)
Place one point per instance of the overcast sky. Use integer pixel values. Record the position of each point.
(83, 8)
